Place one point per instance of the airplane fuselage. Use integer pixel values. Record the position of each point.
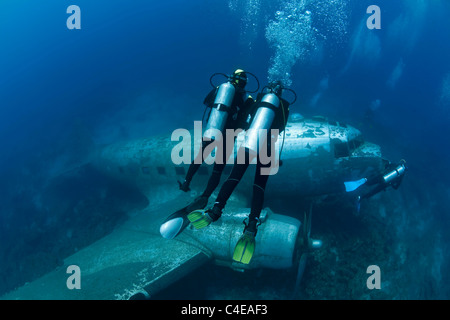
(317, 157)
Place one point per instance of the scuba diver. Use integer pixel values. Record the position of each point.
(367, 187)
(392, 176)
(270, 111)
(229, 106)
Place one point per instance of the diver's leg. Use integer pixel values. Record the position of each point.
(214, 180)
(201, 201)
(193, 168)
(245, 247)
(230, 184)
(259, 187)
(200, 218)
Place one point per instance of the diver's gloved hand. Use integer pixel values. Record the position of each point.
(184, 186)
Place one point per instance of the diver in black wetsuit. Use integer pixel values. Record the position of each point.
(236, 119)
(271, 112)
(230, 106)
(364, 188)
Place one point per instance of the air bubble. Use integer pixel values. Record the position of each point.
(295, 36)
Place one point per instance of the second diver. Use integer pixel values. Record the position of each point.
(271, 112)
(229, 106)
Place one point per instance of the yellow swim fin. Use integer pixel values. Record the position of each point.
(244, 249)
(199, 219)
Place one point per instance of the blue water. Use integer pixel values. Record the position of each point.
(134, 70)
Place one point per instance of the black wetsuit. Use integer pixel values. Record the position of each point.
(237, 119)
(238, 170)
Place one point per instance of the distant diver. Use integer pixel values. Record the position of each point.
(270, 111)
(229, 106)
(391, 177)
(367, 187)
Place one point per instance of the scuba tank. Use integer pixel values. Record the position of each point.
(394, 174)
(220, 109)
(263, 119)
(223, 101)
(392, 178)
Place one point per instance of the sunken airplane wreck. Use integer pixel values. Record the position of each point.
(319, 157)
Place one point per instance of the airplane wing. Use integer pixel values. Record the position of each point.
(133, 259)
